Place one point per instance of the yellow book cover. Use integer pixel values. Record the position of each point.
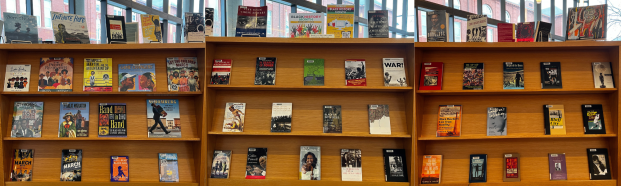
(151, 28)
(97, 75)
(340, 21)
(449, 121)
(432, 169)
(555, 119)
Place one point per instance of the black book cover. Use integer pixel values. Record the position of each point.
(551, 75)
(478, 168)
(266, 71)
(378, 23)
(116, 28)
(599, 166)
(256, 165)
(593, 119)
(71, 165)
(395, 166)
(542, 34)
(546, 119)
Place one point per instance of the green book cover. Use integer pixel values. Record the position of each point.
(313, 72)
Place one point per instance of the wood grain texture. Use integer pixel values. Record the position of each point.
(98, 183)
(275, 182)
(313, 88)
(548, 183)
(515, 45)
(325, 41)
(103, 47)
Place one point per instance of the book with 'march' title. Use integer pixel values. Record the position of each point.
(602, 75)
(22, 165)
(394, 72)
(265, 73)
(27, 119)
(351, 165)
(593, 119)
(437, 28)
(163, 113)
(310, 163)
(71, 165)
(281, 117)
(395, 165)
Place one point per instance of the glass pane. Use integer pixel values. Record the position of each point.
(22, 6)
(399, 14)
(440, 2)
(277, 19)
(158, 5)
(456, 4)
(546, 11)
(328, 2)
(377, 4)
(530, 11)
(558, 18)
(172, 7)
(217, 17)
(11, 6)
(92, 12)
(422, 26)
(389, 6)
(47, 7)
(314, 1)
(36, 11)
(254, 3)
(513, 10)
(172, 32)
(457, 30)
(462, 30)
(487, 10)
(411, 18)
(197, 8)
(303, 11)
(466, 5)
(362, 29)
(143, 2)
(362, 9)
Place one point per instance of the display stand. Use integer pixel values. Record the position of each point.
(20, 42)
(117, 42)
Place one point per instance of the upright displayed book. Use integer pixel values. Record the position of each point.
(166, 110)
(73, 119)
(183, 74)
(265, 73)
(27, 119)
(512, 168)
(351, 165)
(112, 120)
(209, 17)
(234, 114)
(378, 23)
(558, 170)
(431, 76)
(59, 74)
(69, 28)
(586, 23)
(449, 121)
(22, 164)
(20, 28)
(431, 173)
(168, 167)
(599, 165)
(302, 25)
(194, 28)
(551, 75)
(97, 75)
(145, 73)
(251, 21)
(256, 164)
(525, 32)
(379, 119)
(221, 72)
(119, 168)
(506, 32)
(602, 75)
(437, 29)
(281, 117)
(355, 73)
(477, 28)
(132, 32)
(394, 72)
(542, 31)
(473, 76)
(554, 119)
(478, 168)
(310, 163)
(71, 165)
(593, 119)
(116, 28)
(16, 78)
(221, 164)
(151, 28)
(496, 121)
(332, 120)
(395, 165)
(340, 20)
(513, 75)
(313, 72)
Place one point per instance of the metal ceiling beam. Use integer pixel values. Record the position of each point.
(148, 10)
(452, 11)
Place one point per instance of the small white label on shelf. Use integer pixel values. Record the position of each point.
(548, 106)
(261, 58)
(24, 150)
(427, 63)
(592, 150)
(450, 106)
(509, 63)
(546, 63)
(587, 106)
(252, 149)
(217, 151)
(508, 155)
(373, 106)
(321, 36)
(475, 158)
(597, 63)
(389, 151)
(554, 155)
(556, 127)
(219, 60)
(327, 107)
(115, 157)
(427, 156)
(310, 61)
(72, 150)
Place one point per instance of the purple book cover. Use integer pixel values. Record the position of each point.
(558, 170)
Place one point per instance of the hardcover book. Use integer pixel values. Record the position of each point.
(395, 165)
(265, 73)
(183, 74)
(558, 170)
(525, 32)
(97, 75)
(168, 167)
(478, 168)
(332, 120)
(473, 76)
(281, 117)
(251, 21)
(221, 71)
(116, 28)
(602, 75)
(20, 28)
(449, 121)
(586, 23)
(166, 110)
(432, 169)
(71, 165)
(112, 120)
(145, 73)
(542, 31)
(554, 119)
(599, 166)
(302, 25)
(351, 165)
(512, 168)
(194, 28)
(16, 78)
(431, 76)
(551, 75)
(132, 32)
(73, 120)
(310, 163)
(593, 119)
(513, 73)
(119, 168)
(378, 23)
(437, 29)
(340, 20)
(496, 121)
(394, 72)
(477, 28)
(221, 164)
(209, 12)
(70, 28)
(151, 28)
(22, 164)
(234, 114)
(506, 32)
(256, 164)
(355, 73)
(59, 74)
(313, 72)
(379, 119)
(27, 119)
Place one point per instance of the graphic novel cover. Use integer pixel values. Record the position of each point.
(73, 120)
(71, 165)
(22, 164)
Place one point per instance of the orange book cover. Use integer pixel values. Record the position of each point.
(432, 169)
(449, 121)
(119, 169)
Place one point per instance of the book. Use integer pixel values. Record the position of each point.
(395, 165)
(513, 73)
(132, 32)
(599, 165)
(431, 172)
(355, 73)
(16, 78)
(310, 163)
(593, 119)
(183, 74)
(478, 168)
(583, 27)
(265, 73)
(194, 28)
(431, 76)
(119, 168)
(151, 28)
(209, 12)
(449, 121)
(542, 31)
(70, 28)
(116, 28)
(351, 165)
(525, 32)
(234, 114)
(221, 164)
(256, 164)
(20, 28)
(473, 76)
(340, 20)
(302, 25)
(477, 28)
(378, 23)
(602, 75)
(551, 75)
(394, 72)
(71, 165)
(22, 165)
(332, 120)
(168, 167)
(251, 21)
(168, 111)
(506, 32)
(437, 28)
(313, 72)
(496, 121)
(221, 71)
(558, 170)
(281, 117)
(512, 168)
(59, 74)
(145, 73)
(379, 119)
(27, 119)
(73, 120)
(112, 120)
(553, 119)
(97, 75)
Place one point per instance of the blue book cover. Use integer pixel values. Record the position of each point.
(513, 75)
(169, 170)
(251, 21)
(20, 27)
(478, 168)
(137, 77)
(163, 119)
(119, 168)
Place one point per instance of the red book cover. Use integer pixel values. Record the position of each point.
(431, 76)
(506, 32)
(525, 32)
(355, 73)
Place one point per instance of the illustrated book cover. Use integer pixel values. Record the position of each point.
(194, 28)
(281, 117)
(27, 119)
(525, 32)
(351, 165)
(166, 110)
(378, 24)
(302, 25)
(97, 75)
(473, 76)
(355, 73)
(221, 164)
(542, 31)
(551, 75)
(151, 28)
(16, 78)
(431, 76)
(209, 17)
(586, 23)
(119, 168)
(558, 170)
(265, 73)
(234, 114)
(512, 168)
(395, 165)
(310, 163)
(70, 28)
(116, 28)
(554, 119)
(137, 77)
(477, 28)
(394, 72)
(340, 20)
(251, 21)
(256, 164)
(168, 167)
(437, 26)
(379, 119)
(73, 119)
(496, 121)
(332, 120)
(593, 119)
(20, 28)
(183, 74)
(478, 168)
(599, 164)
(313, 72)
(59, 74)
(22, 165)
(431, 172)
(112, 120)
(602, 75)
(71, 165)
(449, 121)
(513, 75)
(221, 72)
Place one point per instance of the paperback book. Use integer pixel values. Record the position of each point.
(379, 119)
(395, 165)
(551, 75)
(132, 32)
(59, 74)
(478, 168)
(437, 29)
(394, 72)
(558, 170)
(542, 31)
(20, 28)
(234, 114)
(145, 73)
(310, 163)
(169, 167)
(221, 71)
(73, 119)
(332, 120)
(513, 73)
(525, 32)
(22, 164)
(27, 119)
(256, 164)
(281, 117)
(473, 76)
(599, 164)
(506, 32)
(221, 164)
(116, 29)
(593, 119)
(69, 28)
(477, 28)
(313, 72)
(265, 73)
(431, 173)
(431, 76)
(209, 17)
(449, 121)
(194, 28)
(554, 119)
(378, 23)
(302, 25)
(71, 165)
(183, 74)
(166, 110)
(16, 78)
(119, 168)
(112, 120)
(340, 20)
(97, 75)
(351, 165)
(602, 75)
(355, 73)
(586, 23)
(512, 168)
(151, 28)
(251, 21)
(496, 121)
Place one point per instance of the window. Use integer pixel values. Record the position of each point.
(411, 18)
(158, 5)
(399, 14)
(490, 35)
(217, 26)
(423, 22)
(269, 23)
(456, 4)
(11, 6)
(487, 10)
(457, 31)
(172, 7)
(558, 18)
(47, 7)
(507, 17)
(66, 6)
(513, 8)
(36, 7)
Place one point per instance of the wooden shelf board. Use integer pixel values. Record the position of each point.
(516, 92)
(100, 139)
(347, 134)
(311, 88)
(74, 47)
(543, 182)
(101, 93)
(516, 45)
(309, 40)
(276, 182)
(515, 136)
(35, 183)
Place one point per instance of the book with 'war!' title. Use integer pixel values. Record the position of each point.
(71, 165)
(310, 163)
(163, 118)
(379, 119)
(221, 164)
(281, 117)
(497, 121)
(16, 78)
(221, 72)
(182, 74)
(59, 74)
(351, 165)
(234, 114)
(112, 120)
(119, 168)
(602, 75)
(554, 119)
(27, 119)
(168, 167)
(73, 120)
(593, 119)
(394, 72)
(449, 121)
(395, 165)
(97, 75)
(256, 164)
(431, 76)
(22, 165)
(431, 172)
(478, 168)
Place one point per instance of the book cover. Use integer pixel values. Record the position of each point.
(332, 120)
(431, 172)
(251, 21)
(27, 119)
(525, 32)
(593, 119)
(554, 119)
(169, 168)
(71, 165)
(221, 164)
(281, 117)
(166, 110)
(265, 73)
(513, 73)
(449, 121)
(477, 28)
(473, 76)
(431, 76)
(22, 164)
(586, 23)
(602, 75)
(551, 75)
(119, 168)
(506, 32)
(59, 74)
(234, 114)
(302, 25)
(194, 28)
(478, 168)
(16, 78)
(355, 73)
(313, 72)
(310, 163)
(542, 31)
(437, 28)
(20, 27)
(69, 28)
(151, 28)
(183, 74)
(379, 119)
(395, 165)
(221, 71)
(145, 74)
(256, 164)
(599, 164)
(512, 168)
(132, 32)
(97, 75)
(558, 170)
(116, 28)
(73, 120)
(112, 120)
(340, 20)
(378, 24)
(351, 165)
(394, 72)
(496, 121)
(209, 17)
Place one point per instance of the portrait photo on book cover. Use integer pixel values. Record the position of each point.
(599, 165)
(351, 158)
(396, 166)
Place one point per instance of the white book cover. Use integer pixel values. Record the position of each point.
(302, 25)
(281, 117)
(602, 75)
(477, 28)
(16, 78)
(351, 165)
(234, 114)
(394, 72)
(379, 120)
(209, 17)
(310, 163)
(194, 30)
